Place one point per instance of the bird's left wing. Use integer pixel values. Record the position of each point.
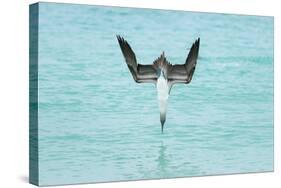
(141, 73)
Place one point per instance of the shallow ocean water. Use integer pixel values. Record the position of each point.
(96, 124)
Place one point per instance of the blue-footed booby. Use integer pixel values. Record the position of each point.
(161, 72)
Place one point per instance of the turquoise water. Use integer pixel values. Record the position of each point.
(96, 124)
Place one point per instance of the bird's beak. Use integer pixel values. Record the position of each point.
(162, 126)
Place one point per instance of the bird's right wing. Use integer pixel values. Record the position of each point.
(183, 73)
(141, 73)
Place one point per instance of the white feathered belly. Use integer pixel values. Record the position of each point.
(163, 93)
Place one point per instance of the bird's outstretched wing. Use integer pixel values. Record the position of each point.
(183, 73)
(141, 73)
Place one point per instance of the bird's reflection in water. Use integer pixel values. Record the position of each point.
(162, 160)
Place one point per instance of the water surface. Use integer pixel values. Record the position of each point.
(96, 124)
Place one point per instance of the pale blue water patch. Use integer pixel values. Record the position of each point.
(96, 124)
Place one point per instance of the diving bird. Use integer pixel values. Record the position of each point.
(161, 72)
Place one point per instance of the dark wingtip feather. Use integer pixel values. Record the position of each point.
(197, 46)
(119, 38)
(198, 41)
